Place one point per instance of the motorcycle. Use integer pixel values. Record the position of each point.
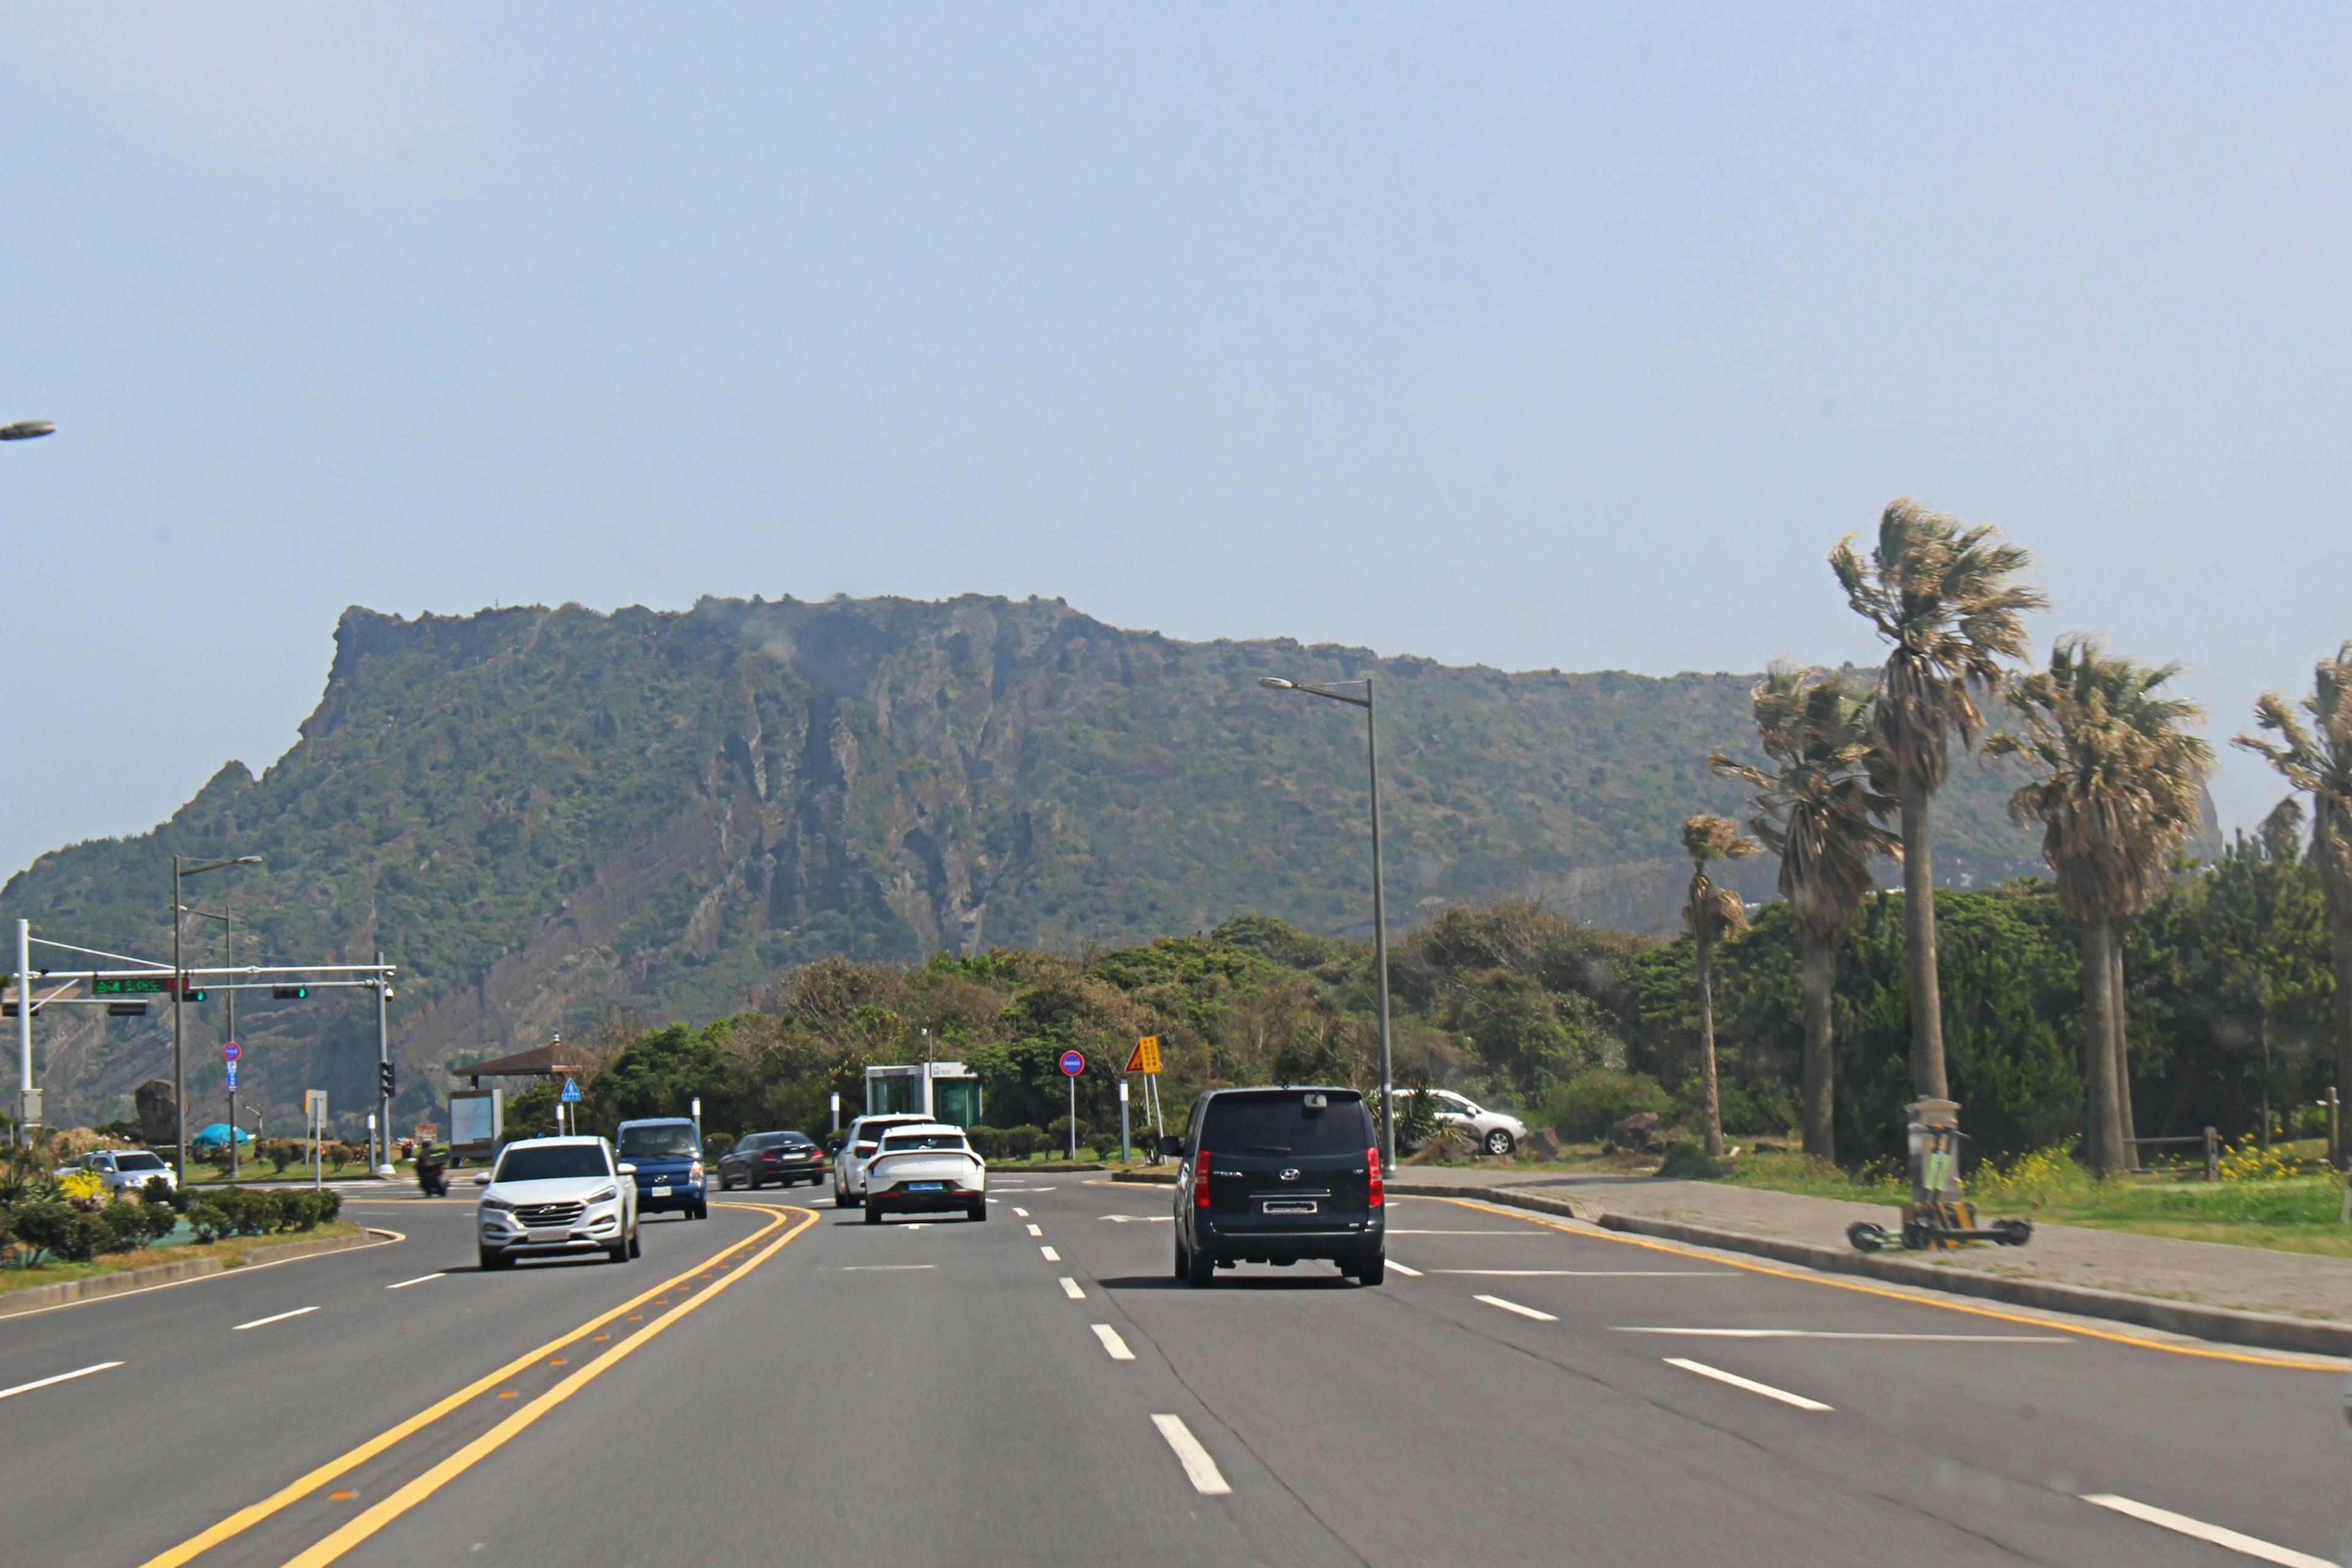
(430, 1177)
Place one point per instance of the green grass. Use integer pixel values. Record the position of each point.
(251, 1170)
(2283, 1213)
(14, 1277)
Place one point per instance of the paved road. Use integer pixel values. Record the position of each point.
(797, 1386)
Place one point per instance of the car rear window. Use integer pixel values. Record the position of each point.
(1282, 1124)
(898, 1143)
(670, 1137)
(757, 1140)
(137, 1162)
(551, 1162)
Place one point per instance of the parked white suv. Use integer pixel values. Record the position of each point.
(122, 1169)
(924, 1168)
(552, 1195)
(859, 1145)
(1496, 1132)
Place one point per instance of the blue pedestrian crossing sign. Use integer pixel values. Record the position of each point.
(571, 1095)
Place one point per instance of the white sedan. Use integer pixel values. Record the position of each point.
(553, 1196)
(923, 1168)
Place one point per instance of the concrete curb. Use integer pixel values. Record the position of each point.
(1150, 1178)
(65, 1291)
(2261, 1331)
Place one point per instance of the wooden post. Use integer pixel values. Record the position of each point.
(2212, 1155)
(2335, 1128)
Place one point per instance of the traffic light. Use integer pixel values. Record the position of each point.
(290, 992)
(192, 994)
(383, 1084)
(126, 1009)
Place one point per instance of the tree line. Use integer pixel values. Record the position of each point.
(2118, 789)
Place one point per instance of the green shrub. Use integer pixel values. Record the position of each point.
(717, 1146)
(208, 1220)
(1023, 1141)
(1762, 1107)
(1586, 1105)
(994, 1143)
(43, 1224)
(296, 1209)
(159, 1193)
(1690, 1160)
(329, 1205)
(85, 1236)
(130, 1225)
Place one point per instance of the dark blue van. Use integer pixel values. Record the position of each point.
(669, 1159)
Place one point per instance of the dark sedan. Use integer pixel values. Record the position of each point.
(763, 1157)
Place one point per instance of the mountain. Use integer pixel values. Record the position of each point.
(538, 814)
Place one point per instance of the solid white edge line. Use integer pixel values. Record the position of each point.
(420, 1280)
(1595, 1273)
(280, 1318)
(2213, 1534)
(1112, 1342)
(1514, 1307)
(1051, 1255)
(61, 1378)
(1199, 1467)
(1736, 1380)
(1835, 1335)
(1408, 1273)
(1070, 1289)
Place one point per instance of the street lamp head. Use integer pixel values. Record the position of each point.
(246, 860)
(27, 429)
(1275, 683)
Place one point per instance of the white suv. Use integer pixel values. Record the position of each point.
(922, 1168)
(552, 1195)
(1496, 1132)
(859, 1145)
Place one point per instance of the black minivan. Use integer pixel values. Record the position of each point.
(1273, 1175)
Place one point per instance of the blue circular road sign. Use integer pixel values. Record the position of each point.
(1073, 1063)
(231, 1051)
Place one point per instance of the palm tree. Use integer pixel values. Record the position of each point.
(2122, 788)
(2317, 762)
(1947, 597)
(1818, 811)
(1712, 913)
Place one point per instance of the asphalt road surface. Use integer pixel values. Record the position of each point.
(785, 1384)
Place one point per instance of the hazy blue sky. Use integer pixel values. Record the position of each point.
(1529, 335)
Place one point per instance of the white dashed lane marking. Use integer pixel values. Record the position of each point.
(1034, 1231)
(1070, 1289)
(1198, 1469)
(280, 1318)
(1736, 1380)
(1408, 1273)
(1514, 1307)
(420, 1280)
(1112, 1342)
(1051, 1255)
(2248, 1545)
(61, 1378)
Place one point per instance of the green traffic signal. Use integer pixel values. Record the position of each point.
(290, 992)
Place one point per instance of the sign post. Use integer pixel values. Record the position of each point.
(567, 1100)
(314, 1108)
(1126, 1146)
(230, 1052)
(1073, 1063)
(1145, 1060)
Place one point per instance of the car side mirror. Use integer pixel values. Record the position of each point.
(624, 1169)
(1172, 1148)
(481, 1178)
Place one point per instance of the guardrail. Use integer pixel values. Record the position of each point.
(2211, 1139)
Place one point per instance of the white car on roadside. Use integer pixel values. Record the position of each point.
(925, 1167)
(547, 1196)
(122, 1169)
(1494, 1131)
(859, 1143)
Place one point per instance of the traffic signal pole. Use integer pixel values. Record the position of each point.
(383, 1068)
(24, 1026)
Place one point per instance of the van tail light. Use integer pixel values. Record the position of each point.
(1372, 1164)
(1200, 1180)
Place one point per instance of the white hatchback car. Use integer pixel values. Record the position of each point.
(547, 1196)
(122, 1169)
(859, 1145)
(1494, 1131)
(925, 1167)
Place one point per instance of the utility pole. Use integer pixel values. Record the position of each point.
(382, 1160)
(24, 1030)
(1380, 910)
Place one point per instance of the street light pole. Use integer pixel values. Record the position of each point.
(1369, 703)
(228, 995)
(179, 985)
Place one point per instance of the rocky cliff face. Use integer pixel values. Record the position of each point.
(540, 812)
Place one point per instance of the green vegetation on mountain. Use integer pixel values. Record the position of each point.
(543, 814)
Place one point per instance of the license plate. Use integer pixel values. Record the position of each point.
(546, 1236)
(662, 1190)
(926, 1186)
(1293, 1206)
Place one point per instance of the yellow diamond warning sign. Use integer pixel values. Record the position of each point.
(1147, 1055)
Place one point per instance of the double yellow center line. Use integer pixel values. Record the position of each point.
(415, 1491)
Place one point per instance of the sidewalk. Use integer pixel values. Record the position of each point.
(2240, 1278)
